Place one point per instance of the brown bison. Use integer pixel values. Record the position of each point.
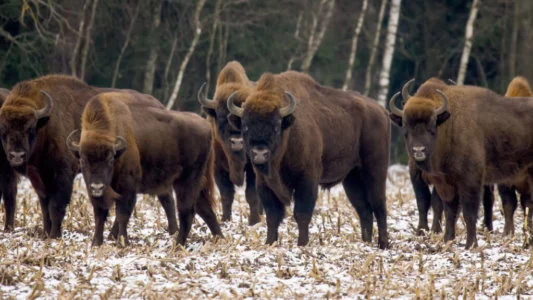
(463, 137)
(8, 180)
(426, 199)
(35, 120)
(125, 148)
(299, 135)
(231, 161)
(519, 87)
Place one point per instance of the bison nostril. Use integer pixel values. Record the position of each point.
(17, 155)
(97, 186)
(419, 148)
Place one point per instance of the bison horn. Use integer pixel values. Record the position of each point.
(405, 90)
(393, 108)
(48, 104)
(207, 103)
(444, 107)
(120, 144)
(289, 109)
(73, 145)
(234, 109)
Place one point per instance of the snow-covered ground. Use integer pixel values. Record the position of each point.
(335, 264)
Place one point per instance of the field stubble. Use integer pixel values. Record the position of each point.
(335, 264)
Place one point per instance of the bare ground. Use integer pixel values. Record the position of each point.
(335, 264)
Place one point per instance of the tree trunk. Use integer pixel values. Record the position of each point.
(315, 38)
(74, 58)
(392, 28)
(125, 45)
(87, 44)
(183, 66)
(151, 64)
(469, 32)
(375, 43)
(168, 65)
(353, 51)
(514, 39)
(296, 36)
(216, 19)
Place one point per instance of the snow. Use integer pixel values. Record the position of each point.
(335, 264)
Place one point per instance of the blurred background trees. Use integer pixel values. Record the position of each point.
(148, 44)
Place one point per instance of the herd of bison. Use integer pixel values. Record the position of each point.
(283, 136)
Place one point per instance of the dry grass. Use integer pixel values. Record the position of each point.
(336, 264)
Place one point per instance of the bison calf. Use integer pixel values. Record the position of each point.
(125, 148)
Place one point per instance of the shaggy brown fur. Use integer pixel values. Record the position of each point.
(518, 87)
(40, 143)
(165, 152)
(8, 180)
(231, 164)
(482, 138)
(331, 137)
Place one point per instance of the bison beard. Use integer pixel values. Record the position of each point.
(129, 144)
(8, 181)
(314, 140)
(231, 161)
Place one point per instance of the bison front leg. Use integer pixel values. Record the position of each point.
(227, 191)
(470, 198)
(124, 209)
(100, 216)
(451, 208)
(58, 200)
(251, 197)
(169, 206)
(274, 209)
(423, 198)
(437, 206)
(9, 192)
(305, 196)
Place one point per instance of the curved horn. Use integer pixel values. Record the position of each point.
(202, 98)
(234, 109)
(48, 104)
(120, 144)
(444, 106)
(289, 109)
(405, 90)
(393, 108)
(73, 145)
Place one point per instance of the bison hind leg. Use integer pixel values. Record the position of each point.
(227, 192)
(169, 206)
(357, 194)
(509, 203)
(488, 202)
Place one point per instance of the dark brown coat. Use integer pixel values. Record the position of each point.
(324, 136)
(35, 119)
(231, 161)
(8, 180)
(464, 137)
(127, 148)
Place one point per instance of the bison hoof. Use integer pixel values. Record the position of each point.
(8, 228)
(383, 244)
(253, 220)
(226, 218)
(97, 242)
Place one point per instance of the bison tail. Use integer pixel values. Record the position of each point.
(519, 87)
(208, 181)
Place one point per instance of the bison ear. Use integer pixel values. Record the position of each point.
(210, 112)
(234, 121)
(397, 120)
(442, 117)
(287, 121)
(42, 121)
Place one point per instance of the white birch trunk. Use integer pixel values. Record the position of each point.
(212, 43)
(392, 28)
(185, 61)
(315, 38)
(296, 36)
(469, 33)
(375, 43)
(151, 64)
(88, 34)
(74, 58)
(357, 31)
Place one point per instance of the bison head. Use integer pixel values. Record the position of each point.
(97, 154)
(229, 134)
(419, 122)
(262, 129)
(19, 126)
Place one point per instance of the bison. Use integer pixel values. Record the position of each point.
(426, 199)
(462, 137)
(519, 87)
(231, 161)
(125, 148)
(299, 135)
(8, 180)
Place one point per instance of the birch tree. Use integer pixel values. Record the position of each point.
(87, 41)
(357, 32)
(79, 38)
(151, 64)
(392, 28)
(375, 43)
(185, 61)
(469, 33)
(216, 19)
(316, 34)
(125, 45)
